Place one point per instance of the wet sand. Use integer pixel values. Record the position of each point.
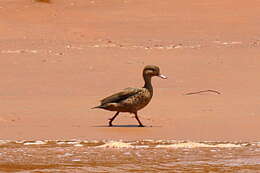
(58, 59)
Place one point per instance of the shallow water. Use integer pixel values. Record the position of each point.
(128, 156)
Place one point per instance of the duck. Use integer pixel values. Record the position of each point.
(132, 100)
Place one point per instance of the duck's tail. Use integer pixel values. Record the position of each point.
(98, 107)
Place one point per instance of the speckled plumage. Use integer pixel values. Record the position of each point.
(132, 99)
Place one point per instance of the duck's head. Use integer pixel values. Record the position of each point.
(152, 70)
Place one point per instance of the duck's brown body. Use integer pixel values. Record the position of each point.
(132, 99)
(129, 100)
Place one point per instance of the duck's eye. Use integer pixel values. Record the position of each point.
(154, 70)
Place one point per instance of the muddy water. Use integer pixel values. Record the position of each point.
(128, 156)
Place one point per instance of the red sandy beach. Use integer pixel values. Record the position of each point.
(59, 59)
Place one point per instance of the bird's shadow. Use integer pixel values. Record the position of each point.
(128, 125)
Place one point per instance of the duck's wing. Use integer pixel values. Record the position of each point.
(117, 97)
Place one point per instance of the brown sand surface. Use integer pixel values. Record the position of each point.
(59, 59)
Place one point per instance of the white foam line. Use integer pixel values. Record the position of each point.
(4, 142)
(35, 143)
(78, 145)
(198, 145)
(115, 144)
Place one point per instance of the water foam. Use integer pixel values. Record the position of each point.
(198, 145)
(4, 142)
(132, 144)
(35, 143)
(116, 144)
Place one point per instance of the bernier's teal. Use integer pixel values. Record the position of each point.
(132, 99)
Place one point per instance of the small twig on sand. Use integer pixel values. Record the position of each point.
(198, 92)
(45, 1)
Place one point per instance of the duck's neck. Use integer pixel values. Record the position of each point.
(148, 83)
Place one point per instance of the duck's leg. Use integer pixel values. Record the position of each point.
(112, 119)
(136, 116)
